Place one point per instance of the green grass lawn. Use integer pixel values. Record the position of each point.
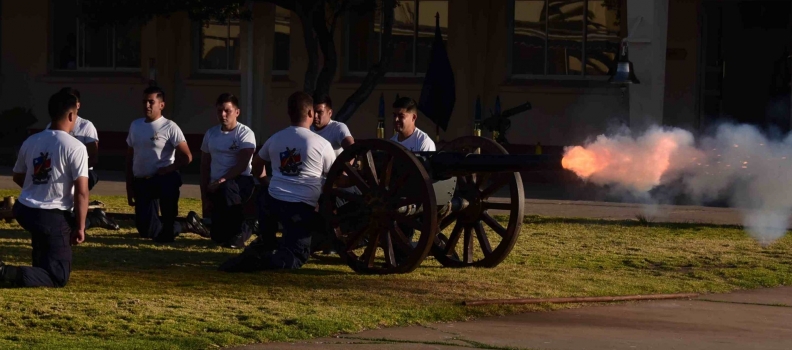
(126, 292)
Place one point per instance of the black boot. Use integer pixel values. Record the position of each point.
(193, 224)
(98, 218)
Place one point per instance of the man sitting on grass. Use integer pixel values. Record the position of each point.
(52, 169)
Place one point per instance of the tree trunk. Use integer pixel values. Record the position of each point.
(306, 11)
(376, 72)
(327, 44)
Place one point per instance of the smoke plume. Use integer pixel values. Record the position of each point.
(737, 162)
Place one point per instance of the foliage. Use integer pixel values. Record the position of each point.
(127, 292)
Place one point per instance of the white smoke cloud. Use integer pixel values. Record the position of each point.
(737, 162)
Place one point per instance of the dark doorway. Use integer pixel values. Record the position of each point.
(746, 62)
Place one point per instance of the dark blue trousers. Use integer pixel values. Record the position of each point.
(93, 178)
(158, 194)
(51, 238)
(228, 212)
(299, 220)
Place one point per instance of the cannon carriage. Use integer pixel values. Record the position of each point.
(387, 208)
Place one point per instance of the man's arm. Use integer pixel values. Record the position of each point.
(259, 170)
(242, 161)
(19, 179)
(206, 171)
(130, 177)
(183, 158)
(93, 153)
(347, 141)
(80, 208)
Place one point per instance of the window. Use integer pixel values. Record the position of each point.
(80, 47)
(553, 38)
(218, 47)
(412, 40)
(280, 52)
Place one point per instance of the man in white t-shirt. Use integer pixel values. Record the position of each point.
(85, 132)
(52, 170)
(334, 132)
(405, 113)
(226, 183)
(300, 161)
(157, 150)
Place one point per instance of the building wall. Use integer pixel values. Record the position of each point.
(564, 112)
(681, 90)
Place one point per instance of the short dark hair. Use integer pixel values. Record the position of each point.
(59, 104)
(155, 90)
(298, 102)
(72, 91)
(406, 103)
(323, 99)
(227, 97)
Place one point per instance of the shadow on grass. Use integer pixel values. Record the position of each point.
(532, 219)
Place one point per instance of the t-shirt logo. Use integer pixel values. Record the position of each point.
(155, 137)
(42, 166)
(234, 146)
(290, 162)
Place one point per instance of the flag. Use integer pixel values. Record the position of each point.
(438, 94)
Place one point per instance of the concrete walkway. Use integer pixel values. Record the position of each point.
(757, 319)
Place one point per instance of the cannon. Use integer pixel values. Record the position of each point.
(386, 208)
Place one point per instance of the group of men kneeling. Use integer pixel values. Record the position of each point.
(53, 171)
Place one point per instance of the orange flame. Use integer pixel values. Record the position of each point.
(639, 164)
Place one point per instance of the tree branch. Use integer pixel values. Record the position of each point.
(306, 11)
(377, 71)
(327, 44)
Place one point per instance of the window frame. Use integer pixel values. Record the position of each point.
(80, 52)
(278, 72)
(415, 73)
(581, 77)
(197, 37)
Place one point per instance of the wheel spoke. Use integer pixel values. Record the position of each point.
(483, 240)
(371, 250)
(369, 170)
(499, 182)
(454, 239)
(390, 257)
(355, 176)
(400, 181)
(498, 205)
(401, 238)
(409, 222)
(385, 179)
(354, 239)
(448, 220)
(493, 224)
(481, 180)
(468, 246)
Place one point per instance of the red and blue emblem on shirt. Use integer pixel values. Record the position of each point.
(290, 162)
(42, 166)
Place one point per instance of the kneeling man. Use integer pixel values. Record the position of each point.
(301, 161)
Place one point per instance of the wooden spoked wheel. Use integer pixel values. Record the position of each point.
(472, 236)
(392, 195)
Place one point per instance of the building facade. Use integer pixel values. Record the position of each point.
(545, 52)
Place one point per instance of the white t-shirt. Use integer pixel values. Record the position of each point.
(83, 130)
(419, 141)
(224, 146)
(300, 160)
(51, 161)
(154, 145)
(334, 132)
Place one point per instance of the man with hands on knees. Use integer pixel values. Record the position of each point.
(52, 170)
(157, 150)
(226, 182)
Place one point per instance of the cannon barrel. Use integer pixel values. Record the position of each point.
(444, 164)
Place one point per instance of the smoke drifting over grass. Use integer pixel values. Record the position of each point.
(737, 162)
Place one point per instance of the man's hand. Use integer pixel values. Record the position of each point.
(77, 236)
(130, 195)
(167, 169)
(215, 185)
